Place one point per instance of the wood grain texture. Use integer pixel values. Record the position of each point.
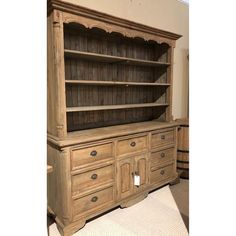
(159, 174)
(163, 138)
(58, 183)
(109, 107)
(91, 155)
(131, 145)
(92, 179)
(93, 201)
(113, 83)
(162, 156)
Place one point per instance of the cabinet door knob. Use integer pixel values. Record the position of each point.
(133, 144)
(94, 176)
(163, 137)
(93, 153)
(162, 172)
(94, 199)
(162, 154)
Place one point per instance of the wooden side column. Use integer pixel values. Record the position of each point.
(169, 116)
(56, 76)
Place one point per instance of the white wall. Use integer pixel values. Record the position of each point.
(170, 15)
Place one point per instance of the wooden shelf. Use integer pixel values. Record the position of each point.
(112, 83)
(111, 59)
(113, 107)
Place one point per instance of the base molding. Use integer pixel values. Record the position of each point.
(133, 201)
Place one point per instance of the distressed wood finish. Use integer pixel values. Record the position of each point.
(91, 155)
(109, 113)
(131, 145)
(162, 138)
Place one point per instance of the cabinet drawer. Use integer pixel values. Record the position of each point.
(162, 156)
(160, 174)
(91, 155)
(93, 178)
(131, 145)
(162, 138)
(93, 201)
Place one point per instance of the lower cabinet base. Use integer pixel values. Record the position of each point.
(131, 202)
(73, 227)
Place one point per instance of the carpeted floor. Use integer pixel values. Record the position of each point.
(157, 215)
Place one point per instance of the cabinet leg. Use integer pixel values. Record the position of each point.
(70, 229)
(133, 201)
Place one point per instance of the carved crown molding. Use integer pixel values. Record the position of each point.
(91, 18)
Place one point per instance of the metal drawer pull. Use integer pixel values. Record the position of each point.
(94, 176)
(163, 136)
(94, 199)
(162, 172)
(133, 144)
(93, 153)
(162, 154)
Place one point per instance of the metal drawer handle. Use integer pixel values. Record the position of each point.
(93, 153)
(94, 199)
(133, 144)
(94, 176)
(162, 154)
(162, 172)
(163, 136)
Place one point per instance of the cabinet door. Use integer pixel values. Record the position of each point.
(125, 178)
(141, 169)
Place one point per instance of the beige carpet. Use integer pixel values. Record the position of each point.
(157, 215)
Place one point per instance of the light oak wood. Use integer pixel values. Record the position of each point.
(162, 138)
(92, 179)
(93, 201)
(124, 178)
(113, 107)
(159, 174)
(109, 106)
(131, 145)
(91, 155)
(84, 136)
(113, 83)
(160, 157)
(134, 201)
(112, 59)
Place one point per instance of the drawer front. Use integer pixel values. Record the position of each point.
(93, 201)
(93, 178)
(160, 174)
(162, 138)
(91, 155)
(162, 156)
(131, 145)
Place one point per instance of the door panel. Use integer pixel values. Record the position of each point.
(141, 169)
(125, 178)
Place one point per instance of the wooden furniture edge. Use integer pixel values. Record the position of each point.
(82, 137)
(107, 18)
(75, 225)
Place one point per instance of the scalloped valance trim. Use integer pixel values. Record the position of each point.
(91, 18)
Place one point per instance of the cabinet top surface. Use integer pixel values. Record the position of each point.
(79, 137)
(93, 15)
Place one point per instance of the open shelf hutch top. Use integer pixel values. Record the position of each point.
(104, 71)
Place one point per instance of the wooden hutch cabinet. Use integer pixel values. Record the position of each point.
(111, 138)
